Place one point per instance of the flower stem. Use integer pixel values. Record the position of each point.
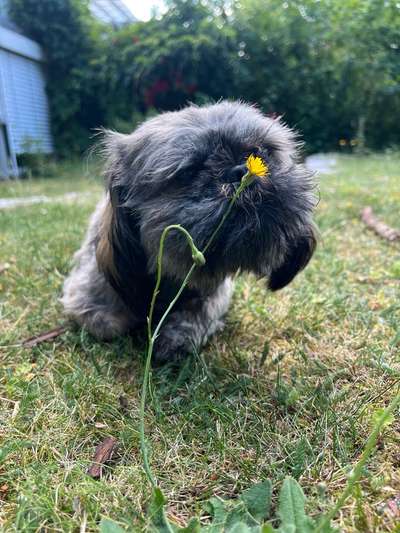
(198, 258)
(152, 337)
(238, 191)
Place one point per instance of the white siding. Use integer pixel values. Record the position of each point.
(25, 101)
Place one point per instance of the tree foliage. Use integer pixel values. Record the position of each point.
(330, 67)
(163, 64)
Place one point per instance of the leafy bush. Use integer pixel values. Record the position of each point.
(163, 64)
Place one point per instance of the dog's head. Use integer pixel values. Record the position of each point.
(182, 168)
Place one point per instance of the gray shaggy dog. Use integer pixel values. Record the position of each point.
(182, 168)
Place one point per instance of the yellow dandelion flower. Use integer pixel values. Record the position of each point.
(257, 166)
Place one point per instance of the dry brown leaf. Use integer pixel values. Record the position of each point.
(103, 453)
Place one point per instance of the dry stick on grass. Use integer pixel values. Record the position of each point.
(43, 337)
(103, 453)
(37, 339)
(380, 228)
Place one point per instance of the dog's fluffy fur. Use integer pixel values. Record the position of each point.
(182, 168)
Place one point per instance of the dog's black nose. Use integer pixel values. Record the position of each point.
(235, 174)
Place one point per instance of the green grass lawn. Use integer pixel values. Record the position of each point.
(77, 176)
(330, 341)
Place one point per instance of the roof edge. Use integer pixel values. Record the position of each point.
(19, 44)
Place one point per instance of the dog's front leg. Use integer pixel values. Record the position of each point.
(188, 328)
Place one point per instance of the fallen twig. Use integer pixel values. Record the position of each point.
(380, 228)
(44, 337)
(103, 453)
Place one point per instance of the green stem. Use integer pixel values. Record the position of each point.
(151, 336)
(195, 251)
(358, 469)
(238, 191)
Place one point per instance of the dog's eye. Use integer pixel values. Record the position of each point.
(254, 150)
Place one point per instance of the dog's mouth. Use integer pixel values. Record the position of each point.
(242, 240)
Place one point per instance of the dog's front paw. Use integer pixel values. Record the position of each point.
(169, 349)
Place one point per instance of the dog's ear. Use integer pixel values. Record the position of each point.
(104, 246)
(119, 253)
(298, 255)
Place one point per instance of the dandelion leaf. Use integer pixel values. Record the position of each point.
(109, 526)
(291, 509)
(257, 500)
(239, 514)
(241, 527)
(219, 512)
(158, 519)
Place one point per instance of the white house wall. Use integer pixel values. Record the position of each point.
(25, 101)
